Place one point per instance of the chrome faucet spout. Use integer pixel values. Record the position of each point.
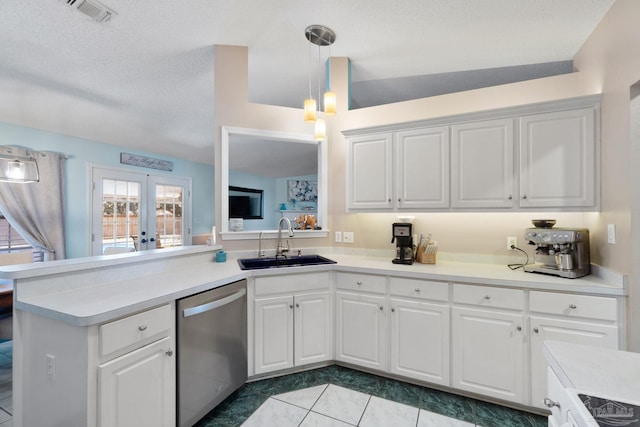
(280, 250)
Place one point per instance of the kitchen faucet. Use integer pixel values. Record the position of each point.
(261, 254)
(280, 250)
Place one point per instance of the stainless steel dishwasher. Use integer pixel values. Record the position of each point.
(212, 349)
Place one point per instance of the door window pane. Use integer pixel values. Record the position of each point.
(120, 213)
(169, 219)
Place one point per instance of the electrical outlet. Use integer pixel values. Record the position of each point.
(512, 241)
(338, 237)
(347, 237)
(51, 367)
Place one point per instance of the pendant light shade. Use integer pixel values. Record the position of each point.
(320, 130)
(320, 36)
(309, 110)
(330, 103)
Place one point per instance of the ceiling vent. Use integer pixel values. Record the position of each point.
(92, 9)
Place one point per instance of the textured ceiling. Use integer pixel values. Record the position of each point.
(144, 80)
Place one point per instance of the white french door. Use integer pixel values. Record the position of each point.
(138, 211)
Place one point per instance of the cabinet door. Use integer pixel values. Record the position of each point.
(420, 341)
(557, 159)
(138, 389)
(313, 329)
(422, 168)
(360, 329)
(273, 334)
(487, 348)
(482, 164)
(369, 172)
(577, 332)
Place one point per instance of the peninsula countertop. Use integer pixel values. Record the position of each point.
(94, 290)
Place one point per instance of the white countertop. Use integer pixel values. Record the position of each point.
(599, 372)
(85, 303)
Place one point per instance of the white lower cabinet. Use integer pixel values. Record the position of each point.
(488, 353)
(293, 323)
(481, 339)
(420, 340)
(274, 333)
(488, 341)
(419, 329)
(579, 319)
(360, 329)
(137, 371)
(138, 389)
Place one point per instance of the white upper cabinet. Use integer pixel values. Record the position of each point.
(482, 164)
(370, 172)
(408, 170)
(558, 159)
(422, 168)
(532, 157)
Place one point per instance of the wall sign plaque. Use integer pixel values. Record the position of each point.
(145, 162)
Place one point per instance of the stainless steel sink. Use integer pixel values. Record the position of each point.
(281, 262)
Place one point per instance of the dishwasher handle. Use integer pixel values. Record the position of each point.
(192, 311)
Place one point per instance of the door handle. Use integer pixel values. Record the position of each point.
(187, 312)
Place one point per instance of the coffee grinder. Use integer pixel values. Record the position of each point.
(404, 243)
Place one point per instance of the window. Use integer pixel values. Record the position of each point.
(12, 241)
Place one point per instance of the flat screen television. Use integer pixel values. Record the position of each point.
(245, 203)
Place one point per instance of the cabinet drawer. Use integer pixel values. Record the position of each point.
(602, 308)
(133, 329)
(290, 283)
(361, 282)
(488, 296)
(424, 289)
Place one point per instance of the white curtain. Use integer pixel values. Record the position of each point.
(36, 210)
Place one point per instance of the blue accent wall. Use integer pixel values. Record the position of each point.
(82, 153)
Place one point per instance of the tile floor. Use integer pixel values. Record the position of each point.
(6, 382)
(338, 396)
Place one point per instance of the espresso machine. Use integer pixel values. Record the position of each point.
(560, 252)
(401, 232)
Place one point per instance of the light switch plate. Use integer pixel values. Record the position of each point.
(347, 237)
(611, 234)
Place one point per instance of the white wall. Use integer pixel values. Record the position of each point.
(456, 232)
(609, 62)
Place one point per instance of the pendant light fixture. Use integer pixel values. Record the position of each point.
(17, 169)
(320, 36)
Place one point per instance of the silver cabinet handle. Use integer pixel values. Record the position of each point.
(393, 310)
(169, 352)
(290, 305)
(510, 197)
(550, 403)
(519, 328)
(297, 305)
(487, 297)
(359, 283)
(417, 289)
(213, 304)
(381, 308)
(142, 327)
(524, 196)
(573, 306)
(536, 330)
